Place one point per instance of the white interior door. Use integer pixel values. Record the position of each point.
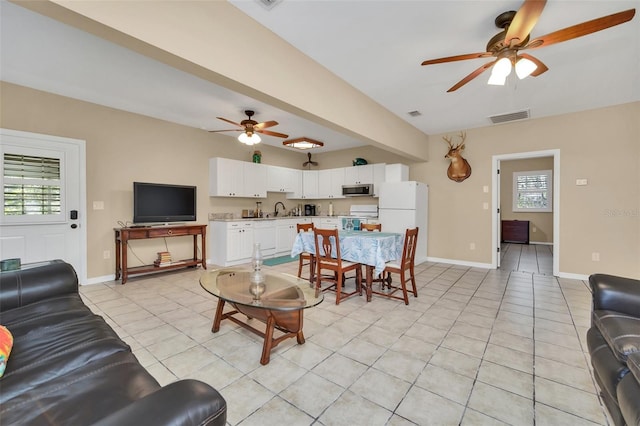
(498, 212)
(43, 198)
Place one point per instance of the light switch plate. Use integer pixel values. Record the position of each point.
(581, 182)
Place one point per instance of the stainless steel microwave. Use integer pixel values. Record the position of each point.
(361, 190)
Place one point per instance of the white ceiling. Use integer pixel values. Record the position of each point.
(376, 46)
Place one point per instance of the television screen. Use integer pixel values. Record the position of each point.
(155, 202)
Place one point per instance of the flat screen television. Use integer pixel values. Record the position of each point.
(163, 203)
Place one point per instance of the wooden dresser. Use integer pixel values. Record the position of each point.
(515, 231)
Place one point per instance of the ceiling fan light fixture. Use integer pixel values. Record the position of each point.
(497, 80)
(524, 68)
(502, 68)
(303, 143)
(249, 139)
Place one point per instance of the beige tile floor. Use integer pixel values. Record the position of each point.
(476, 347)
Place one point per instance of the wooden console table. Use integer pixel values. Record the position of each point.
(515, 231)
(123, 235)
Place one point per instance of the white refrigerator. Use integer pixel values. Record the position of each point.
(403, 205)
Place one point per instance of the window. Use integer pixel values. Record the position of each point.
(532, 191)
(31, 186)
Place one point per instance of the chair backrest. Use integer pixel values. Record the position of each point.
(409, 249)
(327, 243)
(371, 227)
(304, 227)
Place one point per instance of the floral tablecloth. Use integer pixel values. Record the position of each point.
(369, 248)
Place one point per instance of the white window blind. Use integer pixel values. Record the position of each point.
(31, 185)
(532, 191)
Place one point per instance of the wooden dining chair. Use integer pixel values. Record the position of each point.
(406, 265)
(371, 227)
(328, 242)
(305, 257)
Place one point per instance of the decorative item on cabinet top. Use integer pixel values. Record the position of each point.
(360, 162)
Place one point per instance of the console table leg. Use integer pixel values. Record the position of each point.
(118, 244)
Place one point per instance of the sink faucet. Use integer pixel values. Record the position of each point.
(275, 208)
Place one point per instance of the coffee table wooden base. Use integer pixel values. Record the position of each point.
(288, 322)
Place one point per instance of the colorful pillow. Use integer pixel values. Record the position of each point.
(6, 343)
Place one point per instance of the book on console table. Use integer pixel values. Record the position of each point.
(164, 259)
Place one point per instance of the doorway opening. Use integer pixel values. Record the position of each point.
(497, 204)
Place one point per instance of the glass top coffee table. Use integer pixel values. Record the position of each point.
(280, 304)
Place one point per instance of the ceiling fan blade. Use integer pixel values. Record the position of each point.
(524, 21)
(231, 122)
(582, 29)
(542, 68)
(458, 58)
(228, 130)
(471, 76)
(265, 125)
(270, 133)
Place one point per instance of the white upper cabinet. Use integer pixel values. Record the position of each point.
(358, 174)
(283, 179)
(330, 183)
(379, 176)
(255, 180)
(309, 184)
(226, 177)
(233, 178)
(396, 173)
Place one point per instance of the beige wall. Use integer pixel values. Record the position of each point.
(124, 147)
(540, 224)
(604, 216)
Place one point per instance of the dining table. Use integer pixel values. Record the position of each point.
(371, 249)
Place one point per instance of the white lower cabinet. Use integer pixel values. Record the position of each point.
(264, 232)
(286, 230)
(230, 243)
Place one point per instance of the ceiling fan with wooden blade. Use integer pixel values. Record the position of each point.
(250, 126)
(517, 27)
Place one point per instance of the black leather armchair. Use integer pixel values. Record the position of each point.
(68, 366)
(614, 345)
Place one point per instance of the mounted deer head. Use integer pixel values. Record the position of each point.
(459, 169)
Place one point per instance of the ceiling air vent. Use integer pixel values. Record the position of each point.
(268, 4)
(510, 116)
(414, 113)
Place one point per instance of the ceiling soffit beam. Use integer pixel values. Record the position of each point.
(217, 42)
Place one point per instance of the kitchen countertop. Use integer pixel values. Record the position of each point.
(241, 219)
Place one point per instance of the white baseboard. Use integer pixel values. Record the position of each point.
(460, 262)
(100, 280)
(489, 266)
(573, 276)
(541, 243)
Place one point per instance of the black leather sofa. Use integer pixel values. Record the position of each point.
(68, 366)
(614, 345)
